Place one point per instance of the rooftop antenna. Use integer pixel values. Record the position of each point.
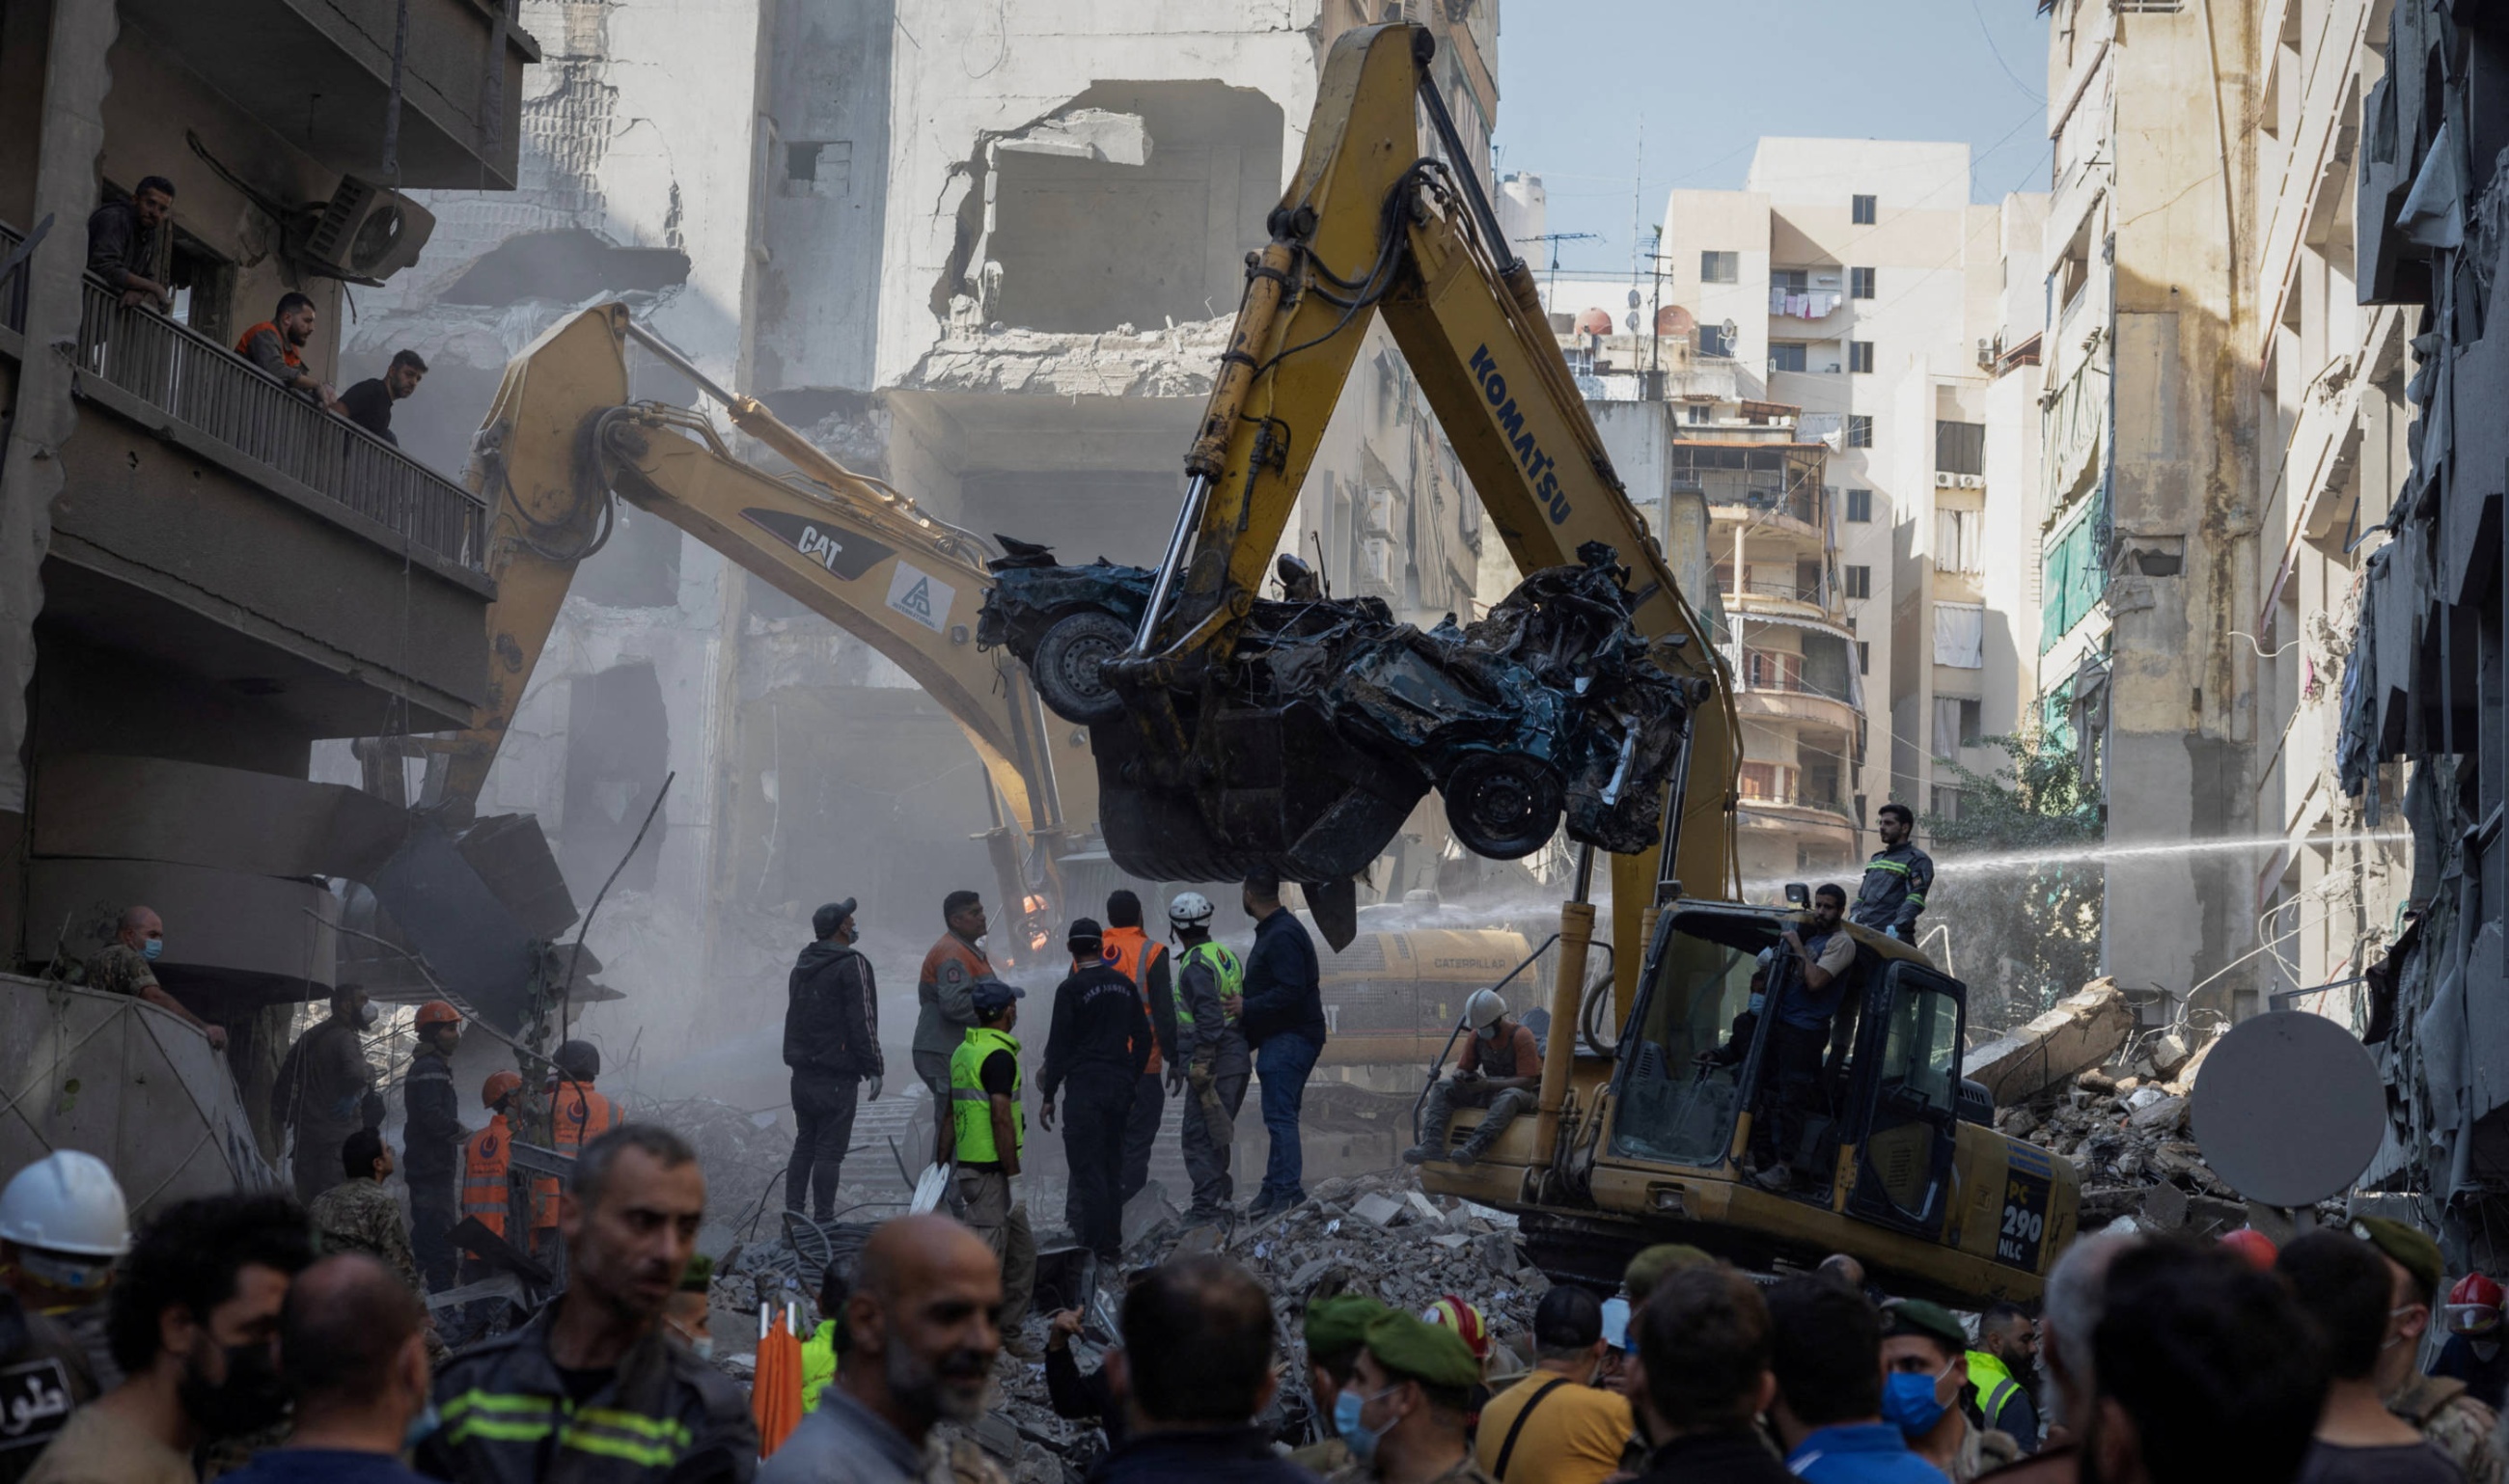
(1554, 239)
(1637, 204)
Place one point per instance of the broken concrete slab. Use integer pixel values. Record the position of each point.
(2083, 1030)
(2164, 1207)
(1379, 1209)
(2160, 1115)
(1425, 1208)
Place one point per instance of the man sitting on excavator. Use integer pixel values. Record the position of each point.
(1826, 963)
(1500, 1070)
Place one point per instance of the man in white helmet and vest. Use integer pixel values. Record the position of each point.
(988, 1133)
(1217, 1061)
(1500, 1069)
(63, 1225)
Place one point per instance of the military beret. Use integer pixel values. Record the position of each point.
(1917, 1317)
(1338, 1325)
(2409, 1247)
(698, 1275)
(1649, 1267)
(1429, 1354)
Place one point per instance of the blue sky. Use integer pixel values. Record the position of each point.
(1577, 77)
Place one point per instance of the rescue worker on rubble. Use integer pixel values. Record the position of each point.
(360, 1215)
(432, 1143)
(126, 966)
(488, 1169)
(1217, 1063)
(579, 1114)
(63, 1226)
(1099, 1042)
(1500, 1069)
(990, 1136)
(593, 1389)
(832, 1043)
(1143, 961)
(326, 1091)
(1893, 894)
(1825, 963)
(2460, 1426)
(1405, 1414)
(2474, 1353)
(943, 1012)
(1283, 1014)
(1336, 1329)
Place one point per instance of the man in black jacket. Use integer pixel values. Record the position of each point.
(432, 1146)
(1100, 1043)
(1282, 1017)
(832, 1043)
(1195, 1370)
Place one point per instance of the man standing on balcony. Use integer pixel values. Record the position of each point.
(121, 240)
(368, 403)
(274, 343)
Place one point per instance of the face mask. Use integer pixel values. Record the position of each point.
(249, 1401)
(1487, 1032)
(1908, 1402)
(367, 1014)
(1360, 1443)
(420, 1427)
(152, 949)
(702, 1347)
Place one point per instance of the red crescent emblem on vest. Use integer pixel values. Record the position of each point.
(1111, 954)
(487, 1146)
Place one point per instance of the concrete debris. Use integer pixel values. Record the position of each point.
(2082, 1031)
(1167, 362)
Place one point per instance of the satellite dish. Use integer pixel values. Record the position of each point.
(1731, 331)
(2288, 1108)
(1634, 298)
(1634, 321)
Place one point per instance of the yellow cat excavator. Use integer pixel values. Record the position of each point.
(562, 436)
(1229, 737)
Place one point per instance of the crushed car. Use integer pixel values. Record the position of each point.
(1306, 747)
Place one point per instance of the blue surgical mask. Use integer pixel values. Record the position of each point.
(151, 947)
(1908, 1402)
(1360, 1440)
(420, 1427)
(702, 1347)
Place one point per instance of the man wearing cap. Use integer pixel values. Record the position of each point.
(1924, 1370)
(2449, 1419)
(988, 1133)
(1555, 1427)
(1099, 1042)
(832, 1043)
(432, 1143)
(1405, 1415)
(1336, 1330)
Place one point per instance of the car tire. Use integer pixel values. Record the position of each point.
(1067, 661)
(1504, 808)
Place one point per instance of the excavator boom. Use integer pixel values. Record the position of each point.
(562, 437)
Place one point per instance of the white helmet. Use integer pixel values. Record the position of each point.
(68, 1203)
(1191, 908)
(1483, 1010)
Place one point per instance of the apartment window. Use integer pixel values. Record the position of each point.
(1947, 801)
(1865, 209)
(1715, 340)
(1958, 721)
(1859, 282)
(1859, 356)
(1720, 268)
(1864, 656)
(1859, 507)
(1697, 412)
(1859, 430)
(1960, 635)
(1786, 355)
(1958, 538)
(1768, 782)
(1788, 281)
(1960, 448)
(1859, 581)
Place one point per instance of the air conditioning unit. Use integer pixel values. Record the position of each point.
(1972, 481)
(368, 231)
(1376, 560)
(1377, 510)
(1944, 480)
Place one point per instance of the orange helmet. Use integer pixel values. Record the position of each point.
(1465, 1320)
(436, 1012)
(498, 1087)
(2254, 1245)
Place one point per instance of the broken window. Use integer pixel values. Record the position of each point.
(618, 751)
(819, 166)
(1135, 204)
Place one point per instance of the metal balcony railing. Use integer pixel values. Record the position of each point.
(224, 398)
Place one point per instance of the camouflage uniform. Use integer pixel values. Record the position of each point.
(2454, 1422)
(120, 969)
(362, 1216)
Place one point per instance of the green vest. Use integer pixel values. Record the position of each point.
(1223, 966)
(971, 1109)
(1995, 1384)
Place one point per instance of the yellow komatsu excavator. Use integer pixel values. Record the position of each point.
(1650, 1135)
(562, 437)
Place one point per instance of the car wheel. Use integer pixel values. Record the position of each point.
(1067, 666)
(1503, 808)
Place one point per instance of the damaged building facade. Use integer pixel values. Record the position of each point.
(989, 255)
(208, 578)
(2418, 729)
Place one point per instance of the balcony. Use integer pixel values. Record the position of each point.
(1769, 686)
(223, 529)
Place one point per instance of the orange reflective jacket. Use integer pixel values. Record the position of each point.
(487, 1159)
(581, 1115)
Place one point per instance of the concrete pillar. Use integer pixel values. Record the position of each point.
(77, 76)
